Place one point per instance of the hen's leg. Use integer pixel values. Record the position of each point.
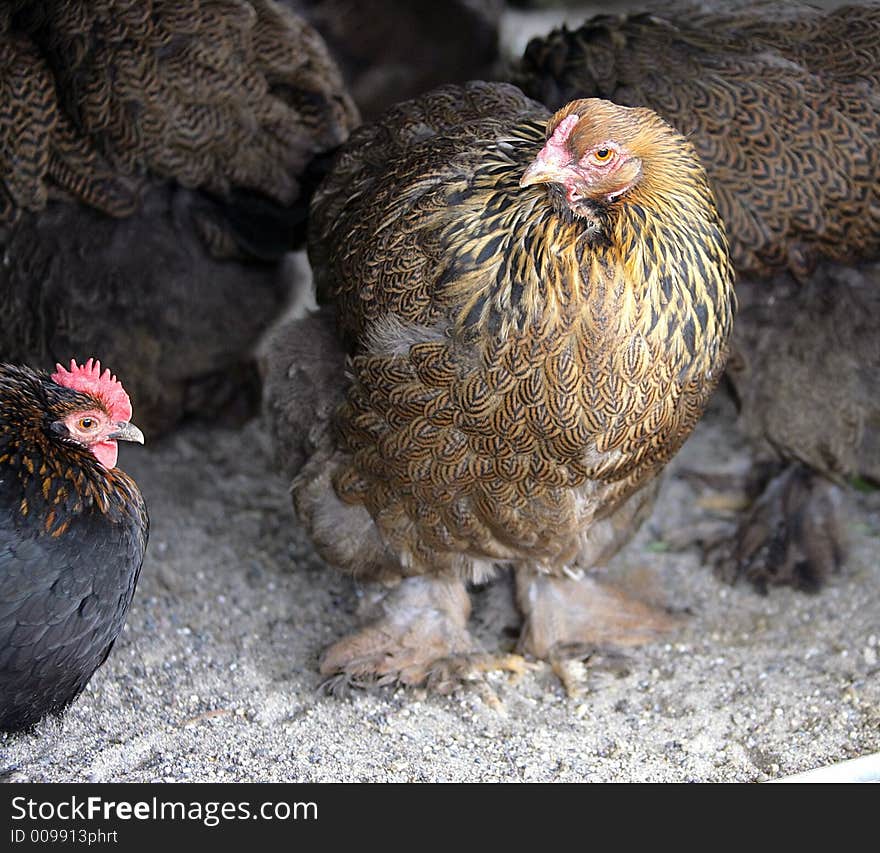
(564, 617)
(791, 535)
(420, 638)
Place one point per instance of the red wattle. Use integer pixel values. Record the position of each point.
(106, 453)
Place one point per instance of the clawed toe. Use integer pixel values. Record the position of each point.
(561, 612)
(449, 673)
(791, 536)
(421, 639)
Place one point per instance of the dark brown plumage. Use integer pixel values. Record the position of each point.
(391, 51)
(781, 101)
(153, 170)
(73, 531)
(215, 95)
(528, 345)
(806, 373)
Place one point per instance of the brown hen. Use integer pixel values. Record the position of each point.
(782, 102)
(534, 312)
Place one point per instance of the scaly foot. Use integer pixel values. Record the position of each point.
(790, 536)
(421, 638)
(567, 618)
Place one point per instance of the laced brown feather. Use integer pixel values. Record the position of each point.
(214, 94)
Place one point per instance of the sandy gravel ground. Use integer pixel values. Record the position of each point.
(214, 678)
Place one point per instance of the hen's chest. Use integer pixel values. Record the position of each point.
(58, 521)
(551, 396)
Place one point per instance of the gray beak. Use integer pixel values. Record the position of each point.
(541, 172)
(127, 432)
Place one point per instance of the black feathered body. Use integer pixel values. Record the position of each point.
(72, 540)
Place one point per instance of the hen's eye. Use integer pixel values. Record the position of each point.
(603, 155)
(87, 423)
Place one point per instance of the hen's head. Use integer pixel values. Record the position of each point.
(97, 415)
(598, 152)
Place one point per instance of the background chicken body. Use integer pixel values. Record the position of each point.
(805, 375)
(390, 51)
(524, 359)
(152, 175)
(73, 532)
(782, 102)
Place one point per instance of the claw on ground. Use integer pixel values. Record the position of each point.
(561, 611)
(419, 640)
(421, 637)
(791, 535)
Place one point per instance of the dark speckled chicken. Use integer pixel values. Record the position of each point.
(217, 94)
(782, 102)
(535, 311)
(153, 169)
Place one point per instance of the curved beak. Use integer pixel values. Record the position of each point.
(126, 431)
(542, 172)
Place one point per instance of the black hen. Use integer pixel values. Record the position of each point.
(73, 531)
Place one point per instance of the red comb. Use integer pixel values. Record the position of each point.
(555, 150)
(89, 379)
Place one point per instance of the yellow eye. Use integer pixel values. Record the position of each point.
(87, 423)
(602, 155)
